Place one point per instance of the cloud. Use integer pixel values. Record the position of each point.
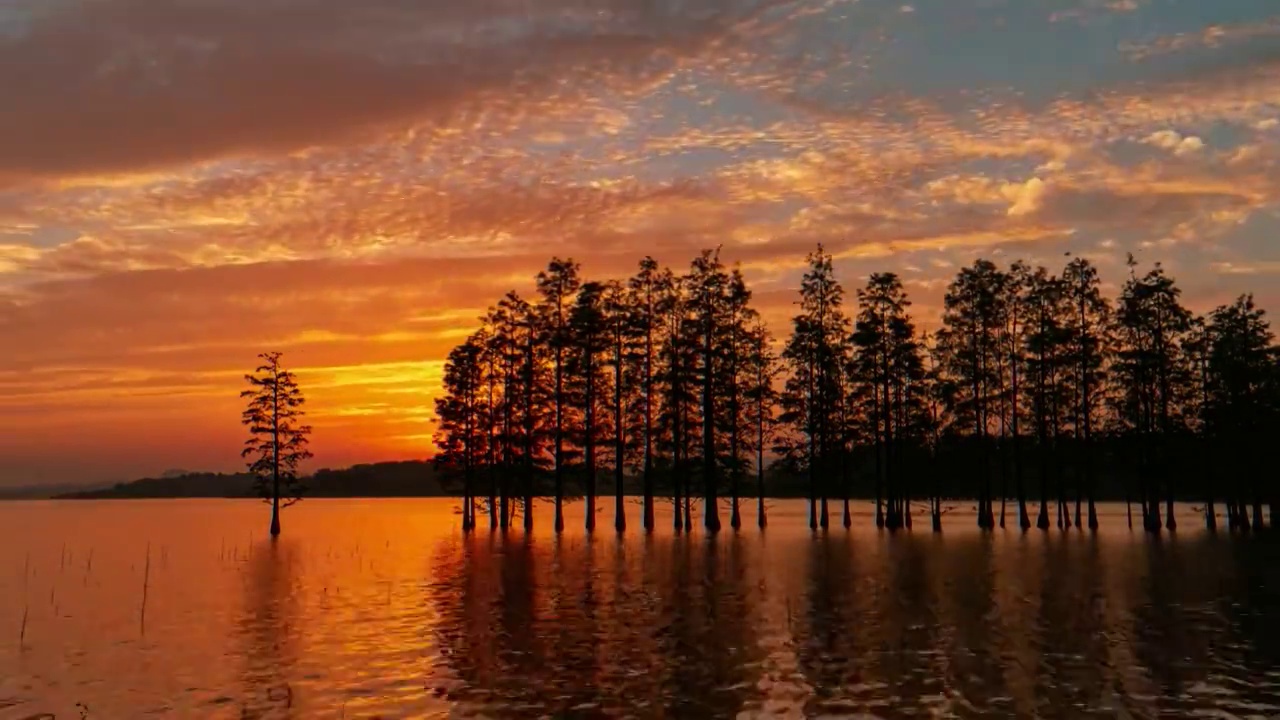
(1174, 142)
(1211, 36)
(1026, 198)
(124, 85)
(185, 183)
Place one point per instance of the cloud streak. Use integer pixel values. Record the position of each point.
(186, 183)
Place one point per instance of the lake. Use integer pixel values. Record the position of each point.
(382, 608)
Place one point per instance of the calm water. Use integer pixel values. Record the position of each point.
(382, 608)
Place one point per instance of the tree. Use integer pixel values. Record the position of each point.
(738, 350)
(939, 401)
(516, 331)
(1046, 366)
(1087, 345)
(888, 369)
(277, 442)
(558, 284)
(589, 342)
(678, 377)
(707, 283)
(1241, 403)
(761, 367)
(816, 355)
(1013, 338)
(619, 328)
(461, 419)
(647, 288)
(1152, 379)
(969, 349)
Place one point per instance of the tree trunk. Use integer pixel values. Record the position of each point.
(735, 518)
(493, 496)
(711, 513)
(275, 513)
(648, 419)
(275, 458)
(590, 450)
(760, 516)
(1042, 520)
(559, 520)
(619, 448)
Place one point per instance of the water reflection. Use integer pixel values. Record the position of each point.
(383, 609)
(269, 631)
(854, 624)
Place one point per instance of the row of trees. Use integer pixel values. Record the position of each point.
(1034, 387)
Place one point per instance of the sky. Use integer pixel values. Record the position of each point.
(187, 183)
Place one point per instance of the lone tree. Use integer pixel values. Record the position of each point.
(277, 440)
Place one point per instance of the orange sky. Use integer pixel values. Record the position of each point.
(186, 184)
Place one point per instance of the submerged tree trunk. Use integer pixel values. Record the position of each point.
(760, 515)
(710, 513)
(590, 422)
(275, 510)
(619, 446)
(676, 522)
(1042, 520)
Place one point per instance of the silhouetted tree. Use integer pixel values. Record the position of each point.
(707, 283)
(619, 329)
(590, 341)
(558, 285)
(762, 369)
(517, 327)
(460, 414)
(675, 378)
(816, 355)
(648, 286)
(1152, 376)
(1241, 404)
(968, 346)
(888, 369)
(1087, 340)
(1046, 354)
(678, 376)
(1013, 341)
(278, 440)
(736, 384)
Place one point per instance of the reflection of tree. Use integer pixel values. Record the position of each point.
(574, 627)
(965, 592)
(705, 631)
(1174, 635)
(1160, 627)
(486, 605)
(1069, 627)
(1249, 591)
(594, 627)
(826, 639)
(269, 629)
(909, 625)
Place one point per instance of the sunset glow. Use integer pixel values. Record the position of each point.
(187, 183)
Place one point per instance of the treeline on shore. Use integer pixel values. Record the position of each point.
(1037, 392)
(410, 478)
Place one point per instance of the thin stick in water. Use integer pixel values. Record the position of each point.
(146, 579)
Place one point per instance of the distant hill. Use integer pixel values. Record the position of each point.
(410, 478)
(41, 492)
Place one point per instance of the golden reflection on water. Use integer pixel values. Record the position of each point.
(382, 608)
